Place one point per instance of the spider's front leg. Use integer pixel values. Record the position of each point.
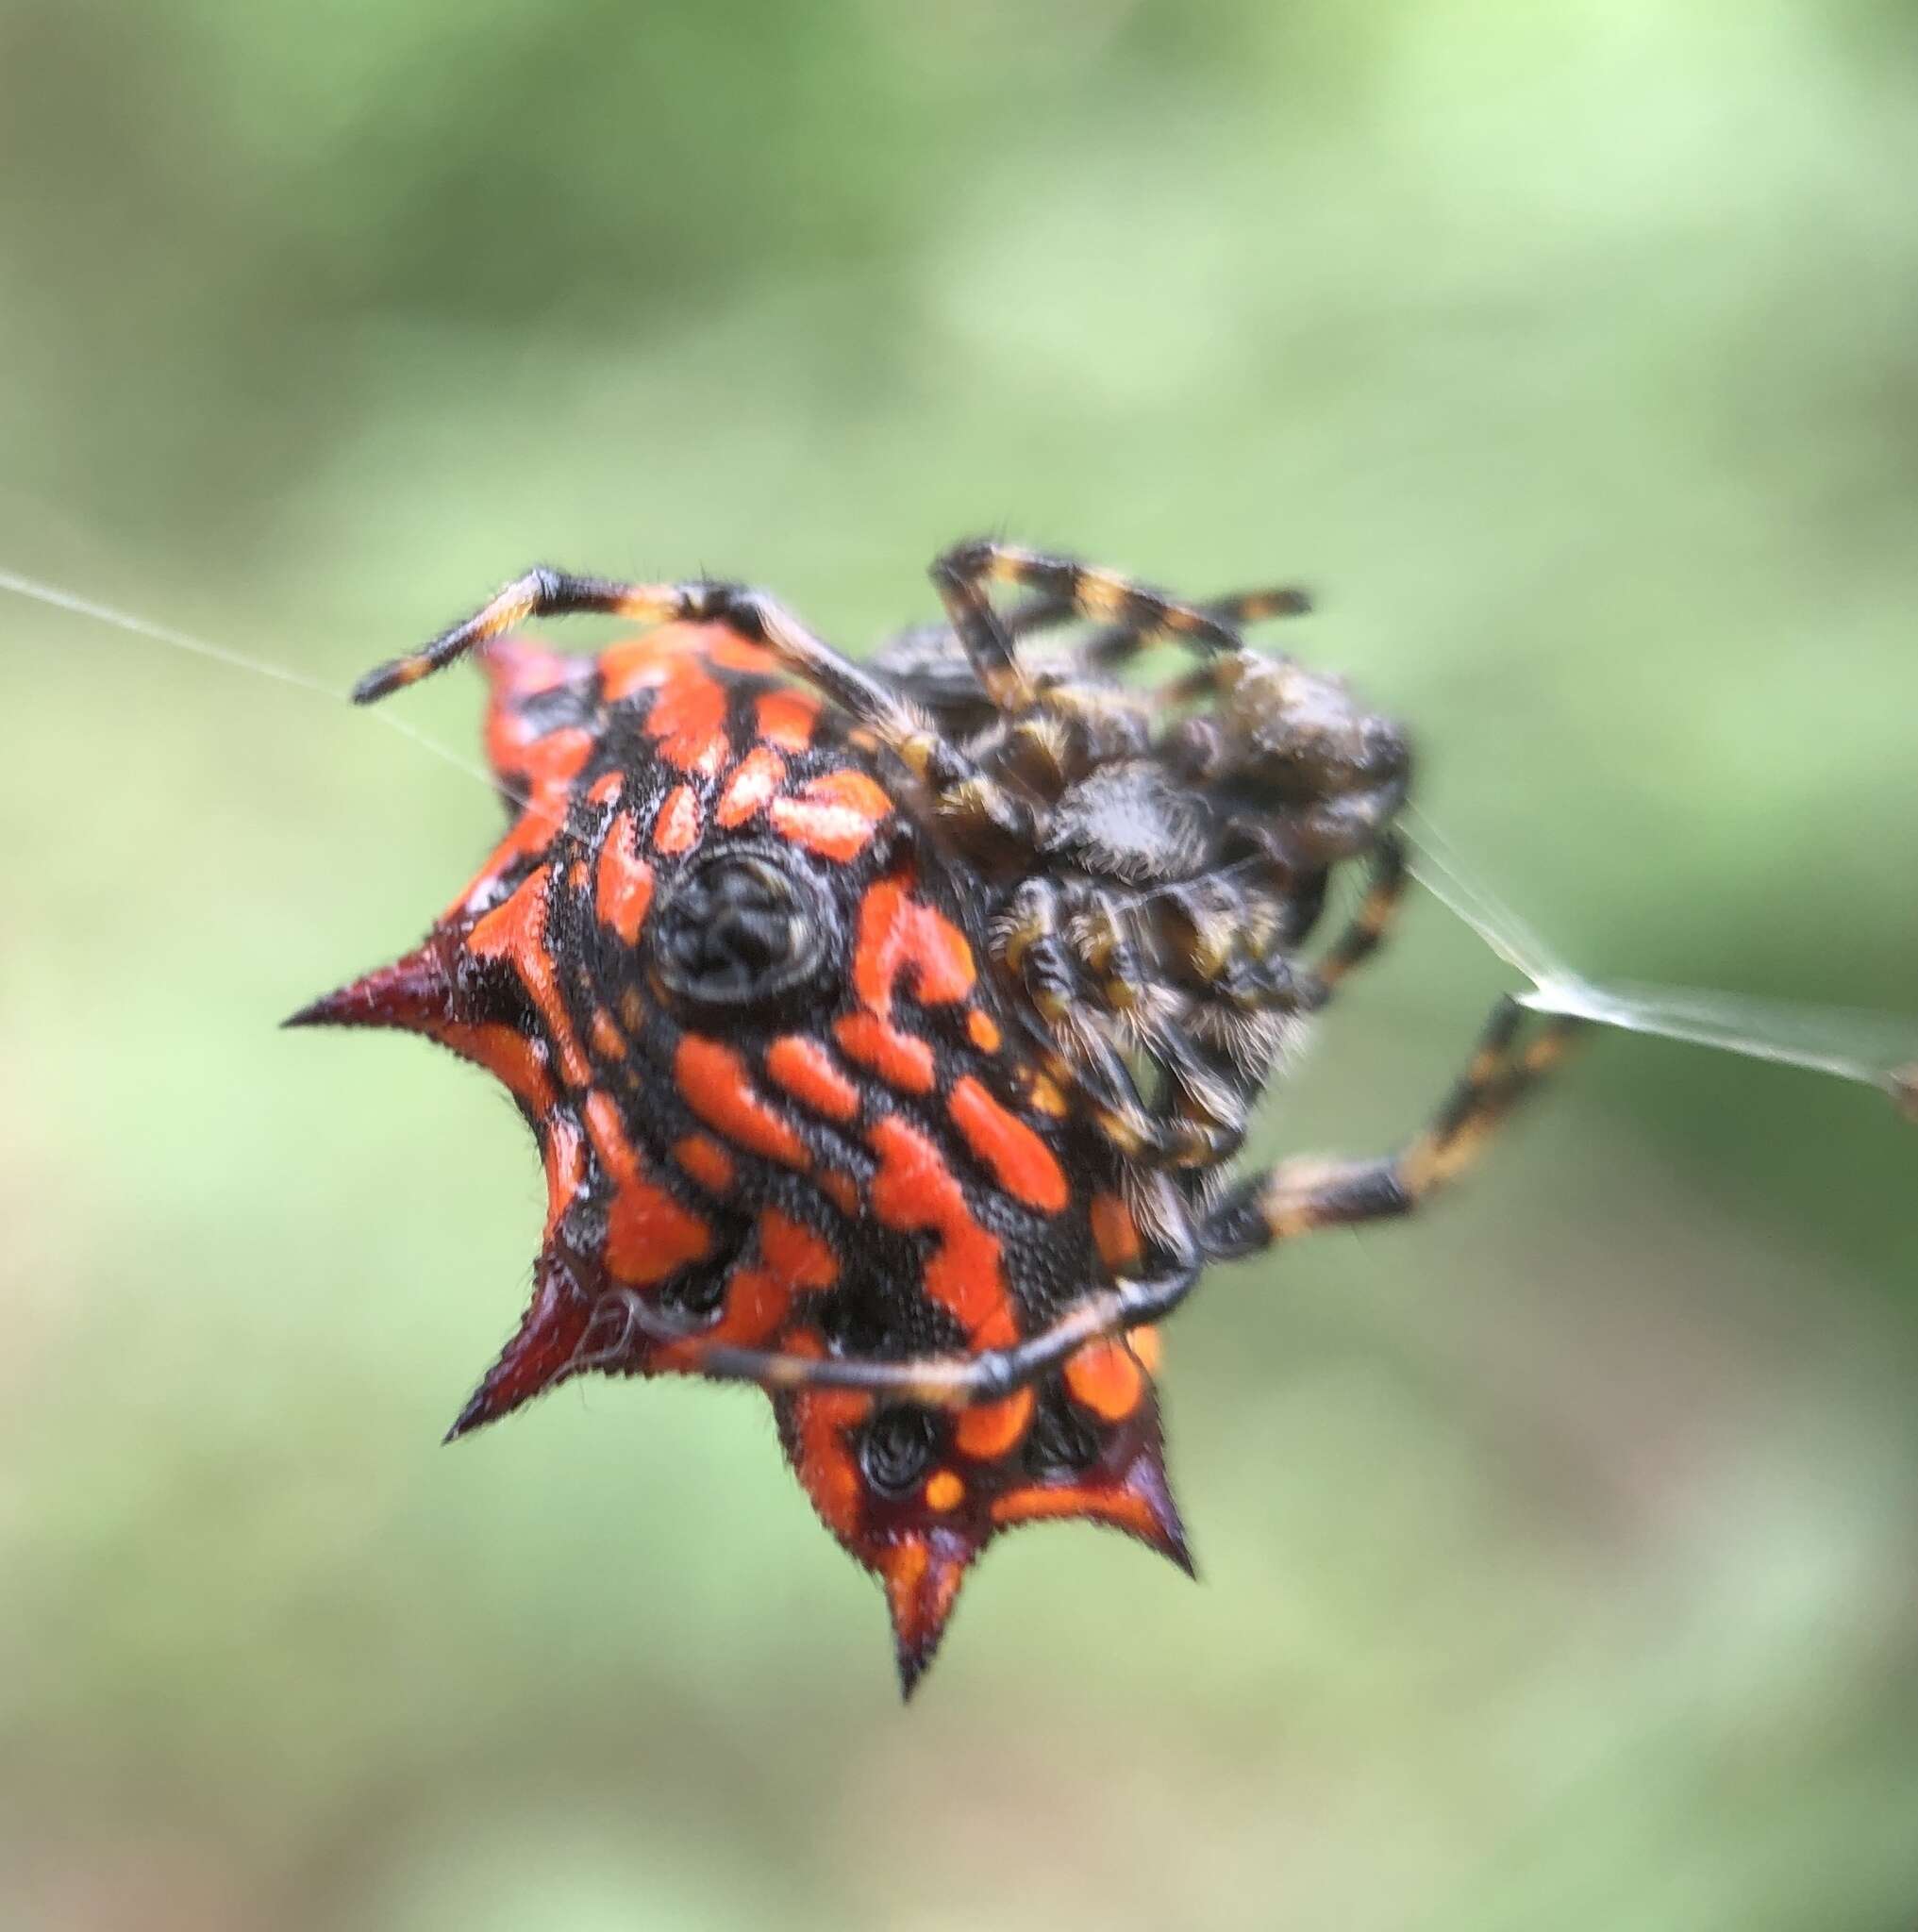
(959, 790)
(1301, 1195)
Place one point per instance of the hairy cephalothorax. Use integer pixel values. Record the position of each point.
(889, 1032)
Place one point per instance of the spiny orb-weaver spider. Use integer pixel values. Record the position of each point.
(888, 1031)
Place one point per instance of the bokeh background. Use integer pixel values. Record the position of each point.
(1559, 1551)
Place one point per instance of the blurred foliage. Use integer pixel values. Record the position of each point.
(1559, 1555)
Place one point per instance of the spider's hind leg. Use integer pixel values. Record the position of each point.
(1066, 589)
(1110, 648)
(1301, 1195)
(933, 1381)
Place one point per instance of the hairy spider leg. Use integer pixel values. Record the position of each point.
(934, 1381)
(1298, 1196)
(957, 787)
(1086, 591)
(1106, 649)
(1373, 918)
(1301, 1195)
(1029, 945)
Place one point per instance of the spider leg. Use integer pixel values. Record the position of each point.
(931, 1381)
(1206, 1096)
(1032, 944)
(545, 593)
(961, 790)
(922, 650)
(1299, 1196)
(1078, 590)
(959, 578)
(1371, 924)
(1106, 649)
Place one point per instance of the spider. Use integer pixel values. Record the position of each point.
(888, 1031)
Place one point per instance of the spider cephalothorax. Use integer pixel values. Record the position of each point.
(888, 1033)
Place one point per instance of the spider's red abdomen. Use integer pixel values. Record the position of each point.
(735, 987)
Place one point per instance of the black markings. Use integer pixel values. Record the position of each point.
(740, 927)
(1060, 1442)
(897, 1447)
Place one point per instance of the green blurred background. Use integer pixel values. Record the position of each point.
(1559, 1551)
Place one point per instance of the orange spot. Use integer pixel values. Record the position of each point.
(759, 1298)
(842, 1192)
(797, 1256)
(565, 1154)
(603, 788)
(507, 1056)
(713, 1081)
(904, 1570)
(521, 667)
(922, 1576)
(787, 719)
(516, 932)
(758, 776)
(821, 1459)
(731, 652)
(1145, 1344)
(624, 886)
(542, 771)
(915, 1190)
(986, 1431)
(1022, 1164)
(688, 719)
(705, 1160)
(1120, 1507)
(944, 1491)
(676, 828)
(644, 663)
(756, 1309)
(1114, 1232)
(648, 1234)
(607, 1041)
(899, 934)
(1104, 1377)
(1047, 1098)
(804, 1068)
(901, 938)
(546, 764)
(901, 1059)
(985, 1031)
(576, 876)
(834, 815)
(516, 747)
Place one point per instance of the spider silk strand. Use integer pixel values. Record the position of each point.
(54, 597)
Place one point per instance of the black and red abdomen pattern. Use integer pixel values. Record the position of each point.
(880, 1094)
(735, 989)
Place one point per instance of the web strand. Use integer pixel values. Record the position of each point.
(55, 598)
(1874, 1049)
